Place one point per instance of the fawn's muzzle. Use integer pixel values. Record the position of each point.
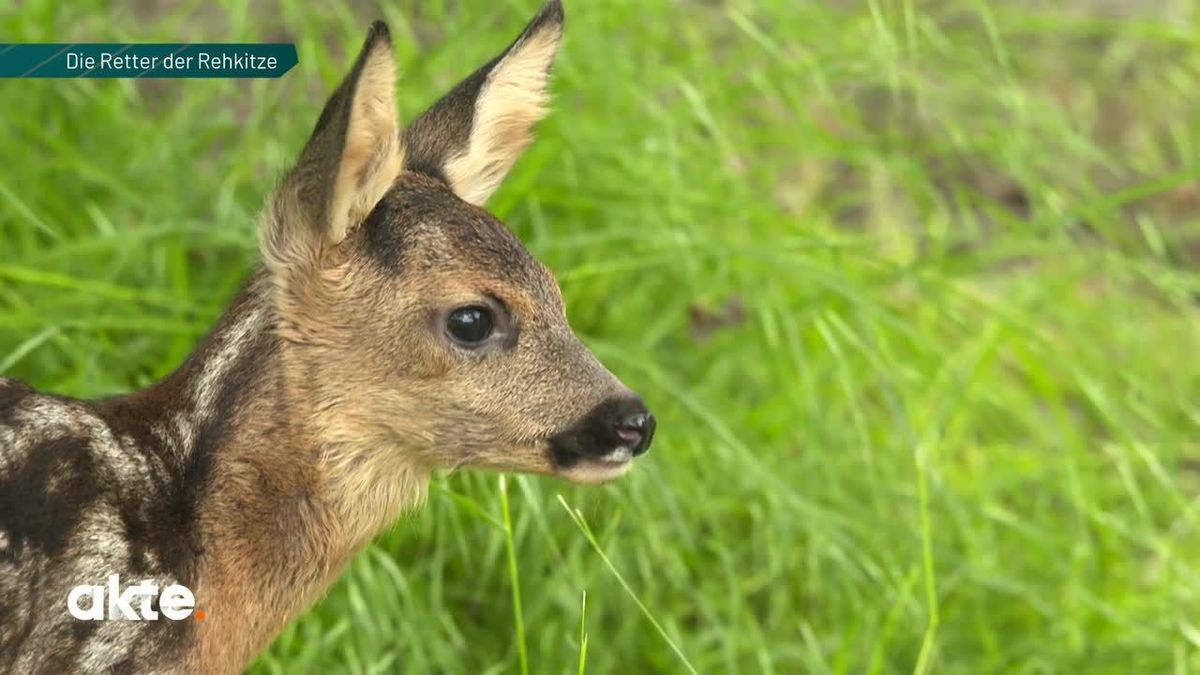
(615, 431)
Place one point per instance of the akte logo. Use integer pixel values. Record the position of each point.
(175, 602)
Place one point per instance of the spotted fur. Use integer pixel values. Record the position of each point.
(88, 489)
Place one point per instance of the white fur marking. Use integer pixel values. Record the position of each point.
(216, 367)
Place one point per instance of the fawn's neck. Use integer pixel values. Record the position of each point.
(274, 521)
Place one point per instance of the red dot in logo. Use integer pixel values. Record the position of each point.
(199, 614)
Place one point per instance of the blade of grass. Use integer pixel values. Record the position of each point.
(513, 575)
(583, 636)
(577, 516)
(25, 348)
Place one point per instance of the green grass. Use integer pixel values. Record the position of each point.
(950, 422)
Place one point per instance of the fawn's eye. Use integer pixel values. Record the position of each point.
(470, 325)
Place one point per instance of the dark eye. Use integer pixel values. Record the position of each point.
(470, 325)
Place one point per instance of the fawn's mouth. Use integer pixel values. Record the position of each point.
(591, 469)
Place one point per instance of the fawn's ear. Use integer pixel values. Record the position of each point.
(348, 164)
(475, 133)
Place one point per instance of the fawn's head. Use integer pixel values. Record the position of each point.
(415, 325)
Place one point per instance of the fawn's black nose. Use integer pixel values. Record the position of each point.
(616, 430)
(637, 430)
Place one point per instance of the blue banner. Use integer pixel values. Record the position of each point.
(108, 60)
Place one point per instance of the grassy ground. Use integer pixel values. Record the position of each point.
(912, 287)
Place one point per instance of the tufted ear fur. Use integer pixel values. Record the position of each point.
(474, 134)
(351, 159)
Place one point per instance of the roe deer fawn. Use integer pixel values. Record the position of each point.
(394, 328)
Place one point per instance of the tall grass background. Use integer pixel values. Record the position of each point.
(911, 286)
